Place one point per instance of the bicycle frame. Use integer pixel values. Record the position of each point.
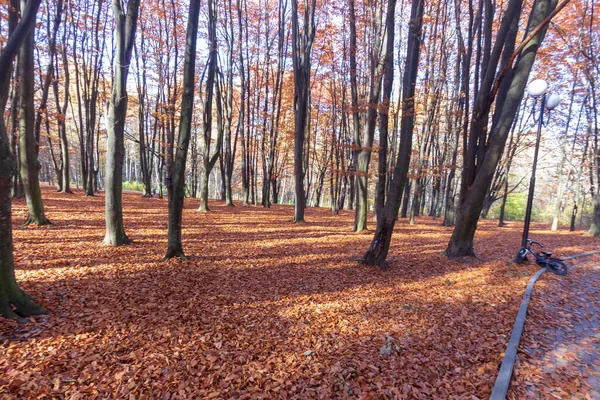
(542, 258)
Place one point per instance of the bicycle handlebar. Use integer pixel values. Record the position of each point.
(534, 242)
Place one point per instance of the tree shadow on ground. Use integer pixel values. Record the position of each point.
(263, 307)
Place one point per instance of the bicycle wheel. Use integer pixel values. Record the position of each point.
(521, 255)
(557, 266)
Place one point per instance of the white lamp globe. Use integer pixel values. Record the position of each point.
(537, 88)
(552, 101)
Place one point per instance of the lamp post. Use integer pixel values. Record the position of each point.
(536, 89)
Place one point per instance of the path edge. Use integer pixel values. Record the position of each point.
(506, 369)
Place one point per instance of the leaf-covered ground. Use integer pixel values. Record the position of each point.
(262, 309)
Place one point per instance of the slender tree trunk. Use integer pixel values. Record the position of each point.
(594, 132)
(117, 113)
(562, 177)
(30, 165)
(377, 252)
(356, 139)
(176, 189)
(301, 51)
(406, 198)
(208, 160)
(244, 125)
(62, 126)
(144, 154)
(14, 302)
(228, 153)
(388, 83)
(476, 182)
(18, 190)
(377, 56)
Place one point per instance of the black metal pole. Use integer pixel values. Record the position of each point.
(532, 181)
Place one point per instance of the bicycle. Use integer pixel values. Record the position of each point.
(542, 258)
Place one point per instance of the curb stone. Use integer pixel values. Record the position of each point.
(504, 376)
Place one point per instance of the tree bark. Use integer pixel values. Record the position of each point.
(377, 57)
(14, 302)
(377, 252)
(117, 113)
(388, 83)
(476, 181)
(302, 43)
(30, 165)
(208, 160)
(62, 126)
(145, 154)
(176, 189)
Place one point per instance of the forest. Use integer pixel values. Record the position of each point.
(232, 141)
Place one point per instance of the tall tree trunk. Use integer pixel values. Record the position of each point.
(302, 43)
(117, 113)
(142, 88)
(509, 87)
(208, 160)
(377, 56)
(228, 152)
(30, 165)
(62, 126)
(388, 83)
(13, 132)
(377, 252)
(176, 189)
(14, 302)
(244, 126)
(406, 198)
(562, 177)
(594, 132)
(356, 139)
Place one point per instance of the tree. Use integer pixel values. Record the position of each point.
(591, 73)
(50, 76)
(462, 93)
(302, 42)
(117, 113)
(147, 139)
(88, 49)
(28, 149)
(516, 136)
(365, 145)
(62, 117)
(269, 141)
(209, 161)
(384, 110)
(10, 293)
(177, 187)
(229, 152)
(504, 87)
(387, 216)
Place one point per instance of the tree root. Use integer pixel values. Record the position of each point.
(27, 308)
(175, 252)
(37, 221)
(23, 308)
(120, 241)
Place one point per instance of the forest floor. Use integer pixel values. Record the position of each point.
(263, 308)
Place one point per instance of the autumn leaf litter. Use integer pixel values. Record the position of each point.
(262, 309)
